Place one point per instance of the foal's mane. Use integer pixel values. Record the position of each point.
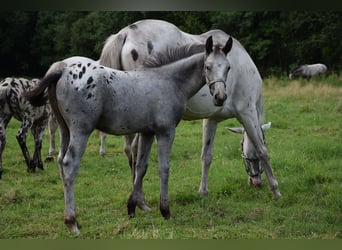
(171, 55)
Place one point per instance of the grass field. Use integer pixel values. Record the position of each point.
(305, 149)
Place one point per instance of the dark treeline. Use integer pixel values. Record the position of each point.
(276, 40)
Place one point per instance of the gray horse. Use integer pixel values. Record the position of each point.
(133, 45)
(308, 70)
(85, 96)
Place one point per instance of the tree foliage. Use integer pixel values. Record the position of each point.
(276, 40)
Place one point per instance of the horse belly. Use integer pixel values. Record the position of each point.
(200, 106)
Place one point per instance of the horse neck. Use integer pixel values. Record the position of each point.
(188, 74)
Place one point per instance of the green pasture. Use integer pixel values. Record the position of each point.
(305, 150)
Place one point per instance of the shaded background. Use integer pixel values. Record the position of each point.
(277, 41)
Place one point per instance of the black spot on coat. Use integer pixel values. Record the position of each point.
(135, 54)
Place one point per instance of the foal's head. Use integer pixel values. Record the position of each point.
(216, 68)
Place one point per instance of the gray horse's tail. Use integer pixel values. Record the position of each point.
(111, 52)
(38, 95)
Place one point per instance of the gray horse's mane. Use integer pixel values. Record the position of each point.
(171, 55)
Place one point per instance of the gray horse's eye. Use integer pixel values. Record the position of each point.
(207, 67)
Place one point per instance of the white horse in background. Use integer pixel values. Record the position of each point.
(308, 70)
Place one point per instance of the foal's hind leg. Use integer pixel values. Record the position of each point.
(4, 119)
(69, 166)
(21, 137)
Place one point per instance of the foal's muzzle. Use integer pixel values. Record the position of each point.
(219, 98)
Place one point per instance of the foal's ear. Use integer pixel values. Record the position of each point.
(209, 45)
(228, 46)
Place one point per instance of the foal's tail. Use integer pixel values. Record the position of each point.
(37, 96)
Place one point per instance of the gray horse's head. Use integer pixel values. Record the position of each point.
(249, 156)
(216, 69)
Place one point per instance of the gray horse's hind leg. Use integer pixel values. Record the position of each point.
(103, 143)
(52, 126)
(209, 131)
(137, 196)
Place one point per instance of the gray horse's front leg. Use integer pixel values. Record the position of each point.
(255, 133)
(137, 196)
(209, 131)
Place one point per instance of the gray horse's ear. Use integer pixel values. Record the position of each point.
(236, 130)
(228, 46)
(266, 126)
(209, 45)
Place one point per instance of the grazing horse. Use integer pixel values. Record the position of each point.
(12, 103)
(85, 96)
(133, 45)
(308, 70)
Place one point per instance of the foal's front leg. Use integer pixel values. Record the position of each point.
(165, 141)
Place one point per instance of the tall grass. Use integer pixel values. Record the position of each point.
(305, 148)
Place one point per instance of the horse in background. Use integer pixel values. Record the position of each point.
(13, 104)
(132, 46)
(308, 70)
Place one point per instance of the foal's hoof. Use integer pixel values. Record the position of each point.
(166, 213)
(164, 209)
(131, 205)
(73, 225)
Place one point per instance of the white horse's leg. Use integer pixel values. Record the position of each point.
(255, 134)
(52, 126)
(208, 137)
(127, 148)
(68, 170)
(137, 196)
(103, 143)
(165, 141)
